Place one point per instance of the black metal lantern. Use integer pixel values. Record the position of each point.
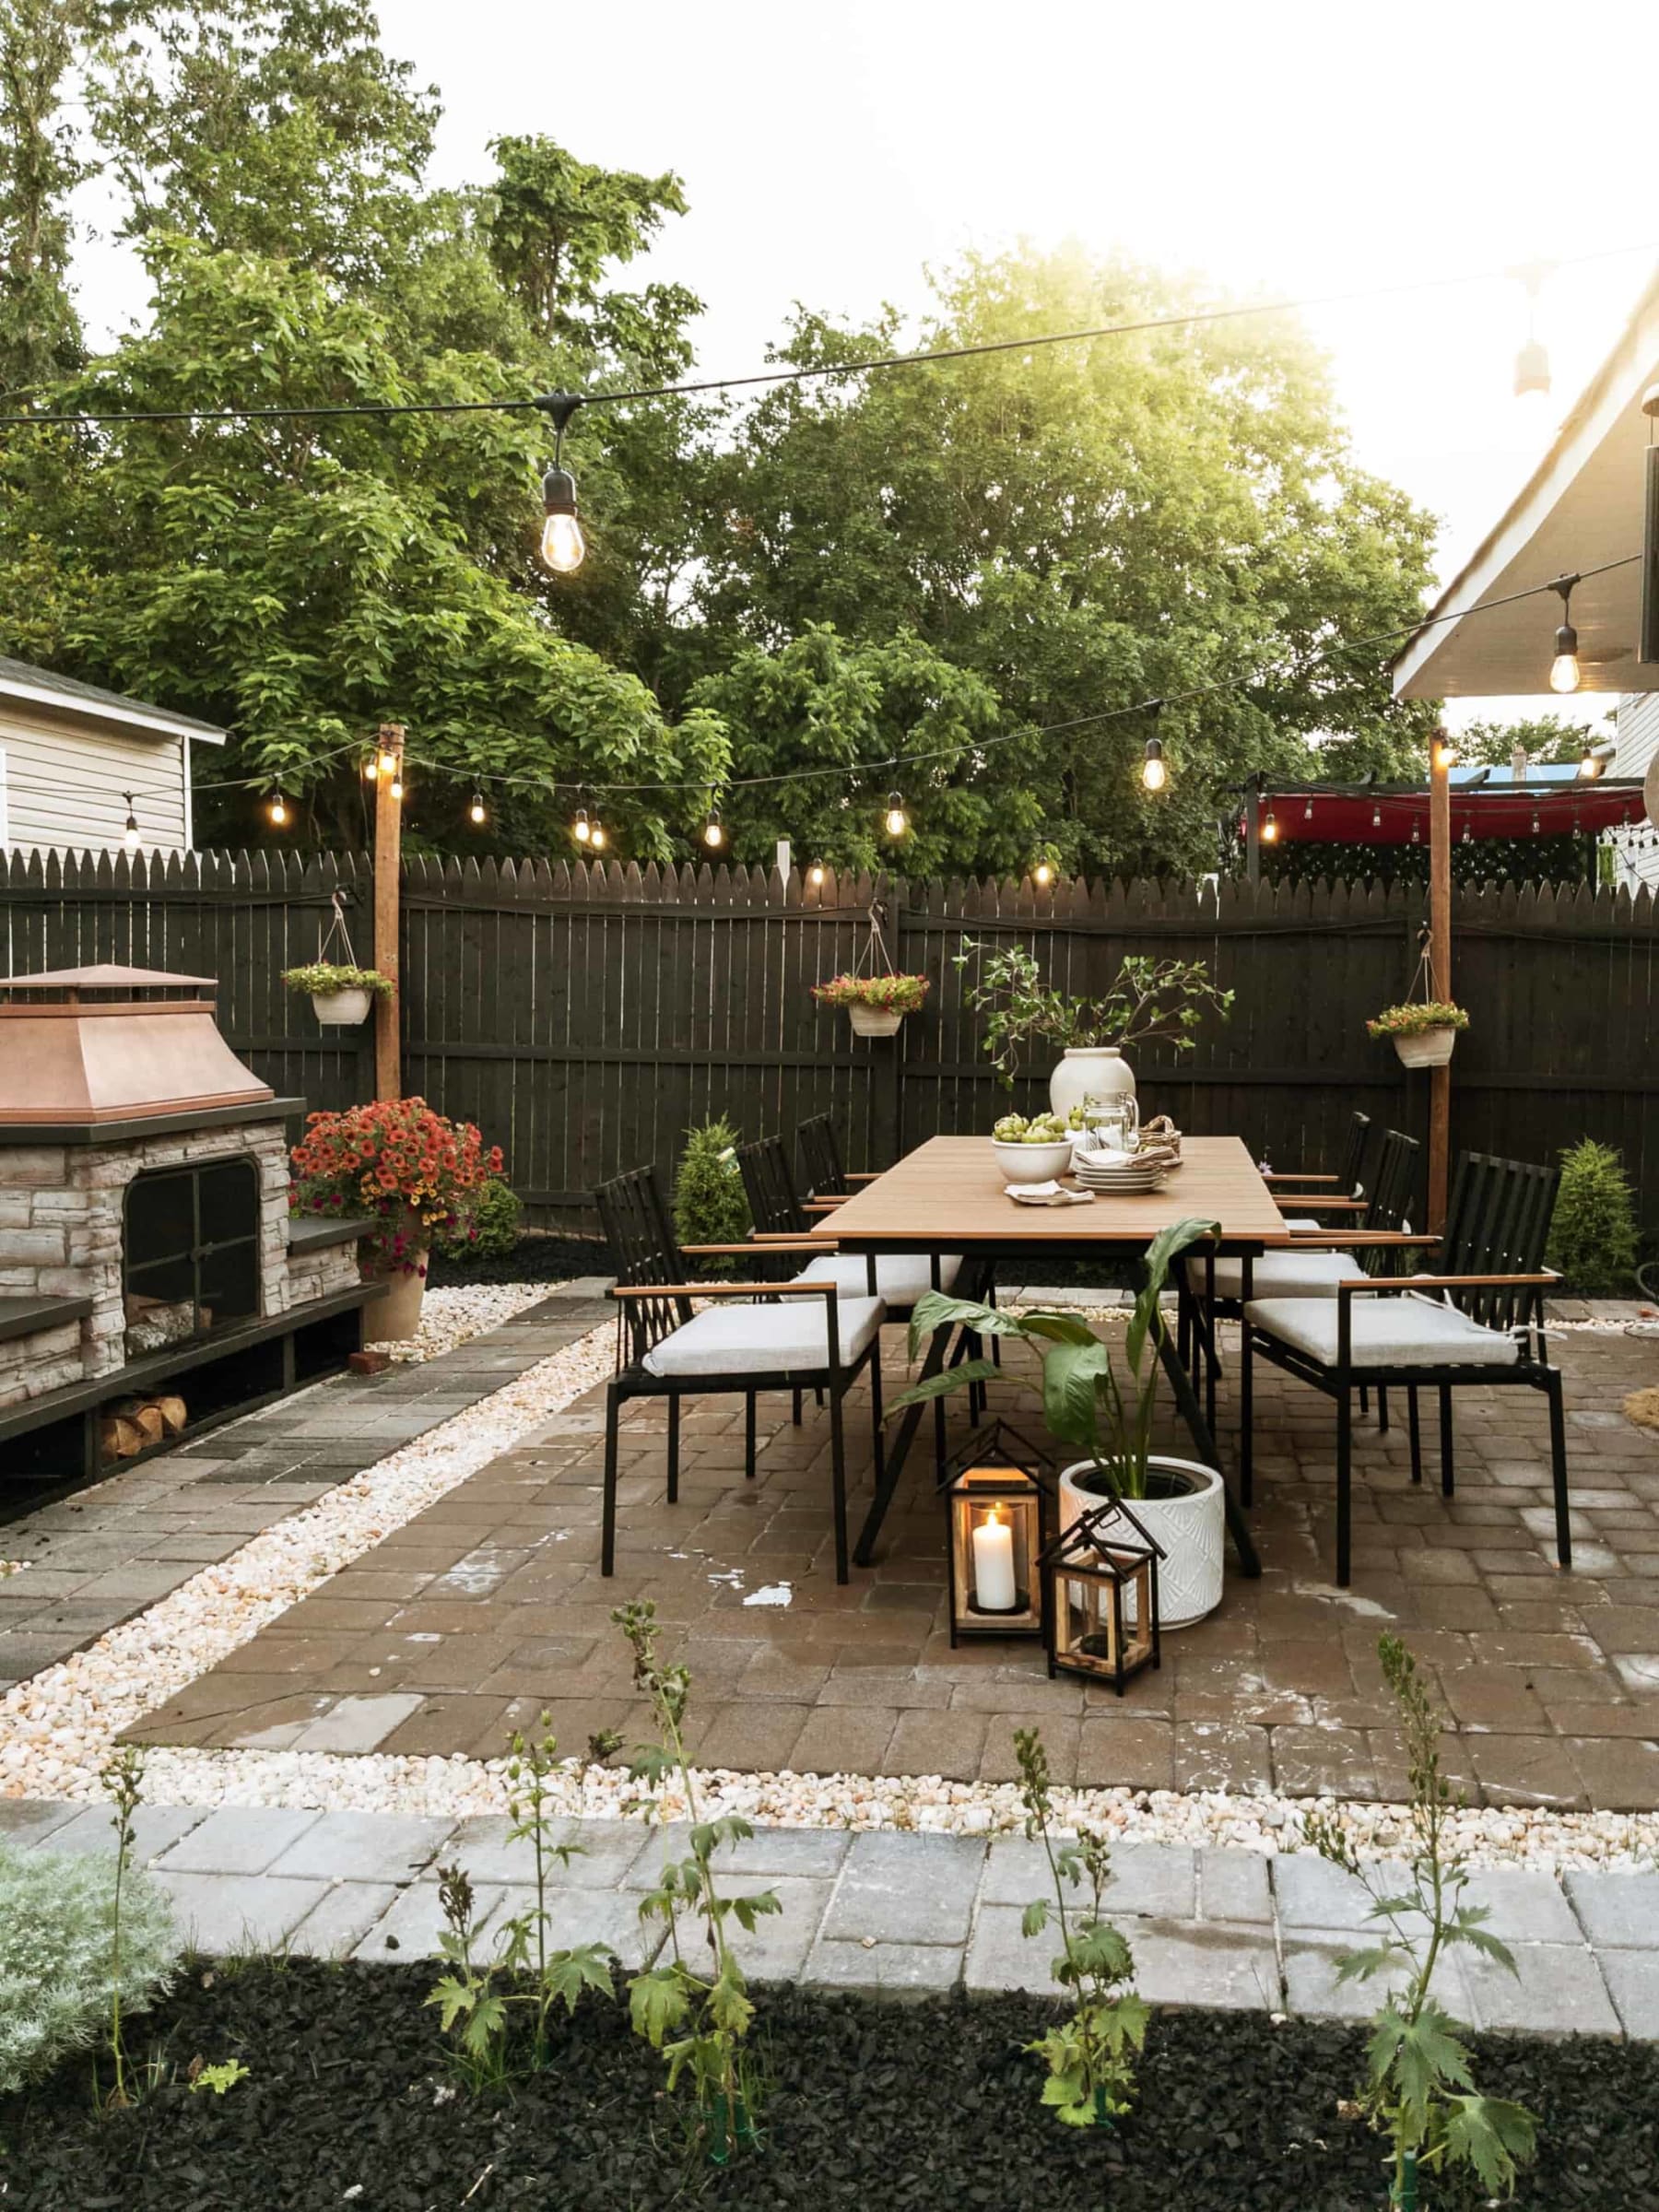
(1100, 1580)
(998, 1491)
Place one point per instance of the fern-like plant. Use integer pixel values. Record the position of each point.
(1419, 2089)
(709, 1204)
(57, 1955)
(1592, 1235)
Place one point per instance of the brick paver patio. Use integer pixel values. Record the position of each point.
(490, 1607)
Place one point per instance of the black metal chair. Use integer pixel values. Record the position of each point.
(1477, 1321)
(780, 1215)
(1347, 1192)
(1212, 1289)
(820, 1156)
(755, 1336)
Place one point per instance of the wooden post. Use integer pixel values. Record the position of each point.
(1253, 833)
(388, 854)
(1440, 967)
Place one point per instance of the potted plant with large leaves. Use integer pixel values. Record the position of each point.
(1085, 1403)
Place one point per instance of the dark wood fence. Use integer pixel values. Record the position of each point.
(585, 1018)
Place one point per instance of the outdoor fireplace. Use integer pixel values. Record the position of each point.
(146, 1256)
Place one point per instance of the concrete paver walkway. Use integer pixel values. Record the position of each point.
(887, 1913)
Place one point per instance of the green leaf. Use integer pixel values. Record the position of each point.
(1492, 2135)
(941, 1385)
(1167, 1246)
(569, 1973)
(1035, 1917)
(657, 2001)
(1070, 1374)
(1420, 2057)
(748, 1910)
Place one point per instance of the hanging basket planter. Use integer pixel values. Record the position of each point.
(873, 1021)
(341, 993)
(878, 1001)
(1423, 1033)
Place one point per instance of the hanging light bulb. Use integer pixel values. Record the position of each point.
(1417, 830)
(372, 769)
(1308, 811)
(582, 830)
(1442, 752)
(1564, 674)
(388, 762)
(1376, 817)
(1043, 872)
(1532, 363)
(1154, 773)
(896, 821)
(714, 834)
(129, 835)
(279, 812)
(1468, 835)
(1535, 824)
(562, 545)
(815, 874)
(597, 838)
(397, 787)
(475, 813)
(1270, 827)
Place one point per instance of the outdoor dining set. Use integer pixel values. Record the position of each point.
(1323, 1275)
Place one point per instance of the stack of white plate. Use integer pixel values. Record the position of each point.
(1121, 1173)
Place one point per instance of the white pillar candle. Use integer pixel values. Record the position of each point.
(993, 1589)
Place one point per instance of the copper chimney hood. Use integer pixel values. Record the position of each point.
(86, 1047)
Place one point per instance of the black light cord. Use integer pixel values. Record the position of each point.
(552, 401)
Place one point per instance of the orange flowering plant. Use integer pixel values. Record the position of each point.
(418, 1174)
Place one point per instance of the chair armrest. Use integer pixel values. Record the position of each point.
(1336, 1239)
(1451, 1282)
(865, 1175)
(821, 1206)
(722, 1289)
(1293, 1175)
(749, 1252)
(779, 1236)
(1320, 1205)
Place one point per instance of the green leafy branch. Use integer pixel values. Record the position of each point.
(1150, 1002)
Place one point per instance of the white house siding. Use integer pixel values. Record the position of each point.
(1638, 728)
(65, 780)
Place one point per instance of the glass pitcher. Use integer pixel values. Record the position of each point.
(1113, 1124)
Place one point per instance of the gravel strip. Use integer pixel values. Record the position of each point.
(451, 1317)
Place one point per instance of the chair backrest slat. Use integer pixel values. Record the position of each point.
(1498, 1223)
(640, 1229)
(1351, 1176)
(769, 1187)
(1390, 1202)
(821, 1157)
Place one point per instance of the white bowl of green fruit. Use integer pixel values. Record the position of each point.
(1031, 1151)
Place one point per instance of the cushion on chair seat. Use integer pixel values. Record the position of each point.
(1279, 1275)
(731, 1337)
(901, 1278)
(1302, 1221)
(1409, 1331)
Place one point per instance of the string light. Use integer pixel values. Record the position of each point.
(475, 813)
(582, 830)
(1417, 830)
(1270, 827)
(1468, 835)
(1376, 817)
(1044, 872)
(1442, 752)
(1564, 673)
(279, 812)
(597, 838)
(714, 834)
(1535, 824)
(372, 769)
(563, 547)
(388, 760)
(1308, 811)
(1154, 772)
(397, 787)
(896, 821)
(129, 836)
(815, 874)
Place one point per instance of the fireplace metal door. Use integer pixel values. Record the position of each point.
(191, 1252)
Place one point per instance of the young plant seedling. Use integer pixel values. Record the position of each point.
(707, 2015)
(223, 2074)
(1419, 2090)
(122, 1780)
(1091, 2056)
(468, 1993)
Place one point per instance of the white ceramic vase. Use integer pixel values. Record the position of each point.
(873, 1021)
(1429, 1048)
(1089, 1071)
(1191, 1526)
(341, 1009)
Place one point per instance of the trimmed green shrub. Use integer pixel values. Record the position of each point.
(56, 1952)
(709, 1204)
(491, 1228)
(1593, 1232)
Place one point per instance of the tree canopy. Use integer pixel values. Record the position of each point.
(951, 563)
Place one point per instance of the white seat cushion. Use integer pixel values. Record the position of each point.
(1280, 1274)
(1409, 1331)
(1302, 1221)
(901, 1278)
(731, 1337)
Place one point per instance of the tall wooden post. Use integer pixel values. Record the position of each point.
(1440, 967)
(388, 854)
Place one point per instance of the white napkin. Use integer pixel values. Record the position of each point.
(1048, 1194)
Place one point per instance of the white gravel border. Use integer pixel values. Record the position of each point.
(57, 1729)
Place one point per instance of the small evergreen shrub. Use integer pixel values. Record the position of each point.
(57, 1951)
(493, 1231)
(709, 1204)
(1592, 1235)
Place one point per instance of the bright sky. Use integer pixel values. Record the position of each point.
(831, 153)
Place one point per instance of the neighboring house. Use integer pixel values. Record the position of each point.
(1638, 859)
(69, 753)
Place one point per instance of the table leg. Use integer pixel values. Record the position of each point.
(1192, 1412)
(896, 1453)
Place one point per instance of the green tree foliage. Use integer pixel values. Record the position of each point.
(39, 166)
(1593, 1234)
(1552, 741)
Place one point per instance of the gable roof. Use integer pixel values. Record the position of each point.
(43, 688)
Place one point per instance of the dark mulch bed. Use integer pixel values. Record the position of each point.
(914, 2106)
(535, 1258)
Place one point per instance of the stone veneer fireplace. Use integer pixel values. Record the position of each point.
(144, 1238)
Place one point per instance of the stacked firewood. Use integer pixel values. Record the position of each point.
(138, 1423)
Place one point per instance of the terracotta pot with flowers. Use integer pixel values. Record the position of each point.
(415, 1172)
(1424, 1031)
(875, 1004)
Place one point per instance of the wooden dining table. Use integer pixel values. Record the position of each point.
(950, 1195)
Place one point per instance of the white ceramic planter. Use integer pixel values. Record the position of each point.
(1429, 1048)
(1192, 1529)
(873, 1021)
(1089, 1071)
(341, 1009)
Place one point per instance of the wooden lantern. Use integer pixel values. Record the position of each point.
(1099, 1579)
(997, 1493)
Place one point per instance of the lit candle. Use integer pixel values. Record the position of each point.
(993, 1589)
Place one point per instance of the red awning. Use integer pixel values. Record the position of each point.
(1388, 818)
